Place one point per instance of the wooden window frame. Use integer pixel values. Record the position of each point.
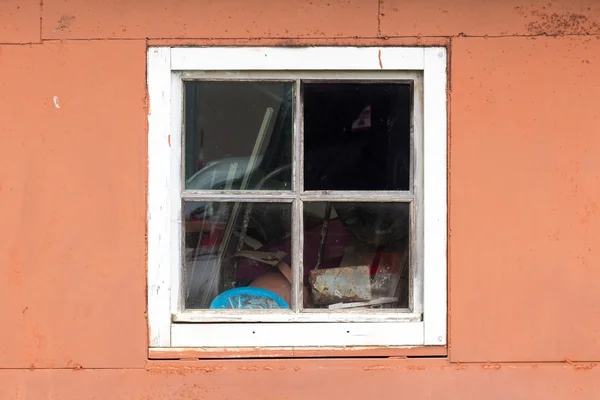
(423, 324)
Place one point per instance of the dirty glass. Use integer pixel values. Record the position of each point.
(356, 255)
(236, 255)
(357, 136)
(238, 135)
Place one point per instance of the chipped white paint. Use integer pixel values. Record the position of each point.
(170, 324)
(173, 188)
(56, 102)
(434, 197)
(296, 59)
(159, 200)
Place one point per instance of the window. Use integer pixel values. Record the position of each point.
(297, 197)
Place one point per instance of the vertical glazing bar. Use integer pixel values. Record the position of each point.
(297, 210)
(299, 138)
(297, 245)
(412, 163)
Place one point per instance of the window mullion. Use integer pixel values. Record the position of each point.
(298, 152)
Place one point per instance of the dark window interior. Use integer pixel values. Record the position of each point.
(341, 153)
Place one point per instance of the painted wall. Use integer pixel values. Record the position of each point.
(524, 198)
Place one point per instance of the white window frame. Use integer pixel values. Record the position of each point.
(172, 327)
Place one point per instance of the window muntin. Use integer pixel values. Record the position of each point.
(409, 320)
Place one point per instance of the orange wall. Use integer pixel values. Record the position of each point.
(524, 314)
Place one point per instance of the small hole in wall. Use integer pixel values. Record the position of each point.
(347, 331)
(253, 332)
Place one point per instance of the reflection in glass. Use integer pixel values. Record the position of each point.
(357, 136)
(356, 255)
(238, 135)
(230, 245)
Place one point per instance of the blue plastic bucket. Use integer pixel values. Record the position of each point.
(248, 298)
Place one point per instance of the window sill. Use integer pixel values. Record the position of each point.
(182, 353)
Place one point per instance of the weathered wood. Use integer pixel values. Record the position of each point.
(289, 316)
(159, 198)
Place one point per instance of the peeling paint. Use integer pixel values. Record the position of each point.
(491, 366)
(251, 368)
(182, 370)
(416, 368)
(56, 102)
(557, 24)
(584, 367)
(580, 366)
(379, 368)
(64, 22)
(561, 24)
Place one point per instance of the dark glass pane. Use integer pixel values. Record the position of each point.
(357, 136)
(230, 245)
(356, 253)
(238, 134)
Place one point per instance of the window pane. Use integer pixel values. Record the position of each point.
(238, 135)
(222, 252)
(356, 252)
(357, 136)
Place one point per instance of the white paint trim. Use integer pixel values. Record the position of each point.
(435, 198)
(164, 190)
(302, 334)
(299, 59)
(175, 186)
(159, 179)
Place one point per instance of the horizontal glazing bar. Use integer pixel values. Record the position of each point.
(239, 195)
(358, 196)
(286, 197)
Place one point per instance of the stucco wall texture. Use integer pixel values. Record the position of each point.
(524, 190)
